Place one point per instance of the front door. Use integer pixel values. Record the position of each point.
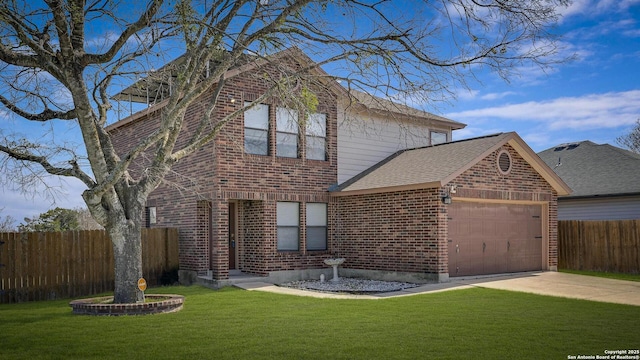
(232, 236)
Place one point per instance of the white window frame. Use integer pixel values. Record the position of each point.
(316, 221)
(256, 119)
(316, 132)
(288, 226)
(286, 128)
(433, 132)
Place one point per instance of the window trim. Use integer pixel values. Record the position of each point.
(266, 131)
(309, 135)
(287, 226)
(431, 132)
(290, 130)
(325, 226)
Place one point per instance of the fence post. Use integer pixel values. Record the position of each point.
(1, 266)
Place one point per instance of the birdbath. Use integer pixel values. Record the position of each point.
(334, 263)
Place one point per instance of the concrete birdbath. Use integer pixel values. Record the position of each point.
(335, 263)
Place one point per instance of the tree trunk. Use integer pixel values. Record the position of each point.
(127, 253)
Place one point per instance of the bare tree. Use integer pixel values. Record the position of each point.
(7, 223)
(85, 220)
(60, 60)
(631, 140)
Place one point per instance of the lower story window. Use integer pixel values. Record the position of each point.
(150, 216)
(288, 215)
(316, 226)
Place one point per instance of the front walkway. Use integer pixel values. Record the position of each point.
(542, 283)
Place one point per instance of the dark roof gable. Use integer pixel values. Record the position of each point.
(591, 169)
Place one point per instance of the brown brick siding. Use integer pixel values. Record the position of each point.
(198, 189)
(406, 231)
(258, 238)
(403, 231)
(395, 231)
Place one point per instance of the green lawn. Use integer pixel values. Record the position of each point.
(235, 324)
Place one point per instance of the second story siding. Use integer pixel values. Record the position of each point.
(366, 139)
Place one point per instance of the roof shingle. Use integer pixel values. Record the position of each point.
(425, 165)
(595, 170)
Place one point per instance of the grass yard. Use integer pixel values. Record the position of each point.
(235, 324)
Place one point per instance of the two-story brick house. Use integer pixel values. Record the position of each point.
(272, 198)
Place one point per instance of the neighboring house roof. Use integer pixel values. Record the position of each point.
(595, 170)
(159, 82)
(435, 166)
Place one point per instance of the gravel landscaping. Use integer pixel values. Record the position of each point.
(351, 286)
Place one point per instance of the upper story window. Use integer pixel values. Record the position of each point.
(316, 137)
(438, 137)
(256, 129)
(286, 132)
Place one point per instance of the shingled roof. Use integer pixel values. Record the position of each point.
(155, 90)
(381, 105)
(435, 166)
(592, 170)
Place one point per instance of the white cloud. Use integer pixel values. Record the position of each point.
(605, 5)
(577, 7)
(496, 96)
(632, 33)
(596, 7)
(465, 94)
(594, 111)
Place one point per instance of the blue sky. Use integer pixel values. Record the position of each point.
(594, 97)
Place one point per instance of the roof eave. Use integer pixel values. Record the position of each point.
(387, 189)
(598, 196)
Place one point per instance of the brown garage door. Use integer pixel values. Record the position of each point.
(494, 238)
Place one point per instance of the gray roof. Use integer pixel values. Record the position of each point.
(595, 170)
(435, 166)
(376, 103)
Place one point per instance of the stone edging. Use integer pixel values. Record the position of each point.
(96, 306)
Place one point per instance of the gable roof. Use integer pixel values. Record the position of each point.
(595, 170)
(435, 166)
(159, 82)
(378, 105)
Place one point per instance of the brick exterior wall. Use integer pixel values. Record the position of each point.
(401, 231)
(406, 231)
(195, 195)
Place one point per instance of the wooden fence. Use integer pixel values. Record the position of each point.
(54, 265)
(612, 246)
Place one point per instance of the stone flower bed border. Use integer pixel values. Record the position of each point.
(166, 303)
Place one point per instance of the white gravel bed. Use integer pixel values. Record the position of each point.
(350, 285)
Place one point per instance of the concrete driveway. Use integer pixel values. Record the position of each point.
(542, 283)
(563, 285)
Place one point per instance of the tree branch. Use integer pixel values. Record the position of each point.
(46, 115)
(143, 21)
(20, 152)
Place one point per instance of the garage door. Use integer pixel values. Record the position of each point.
(494, 238)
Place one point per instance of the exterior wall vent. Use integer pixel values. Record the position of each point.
(504, 162)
